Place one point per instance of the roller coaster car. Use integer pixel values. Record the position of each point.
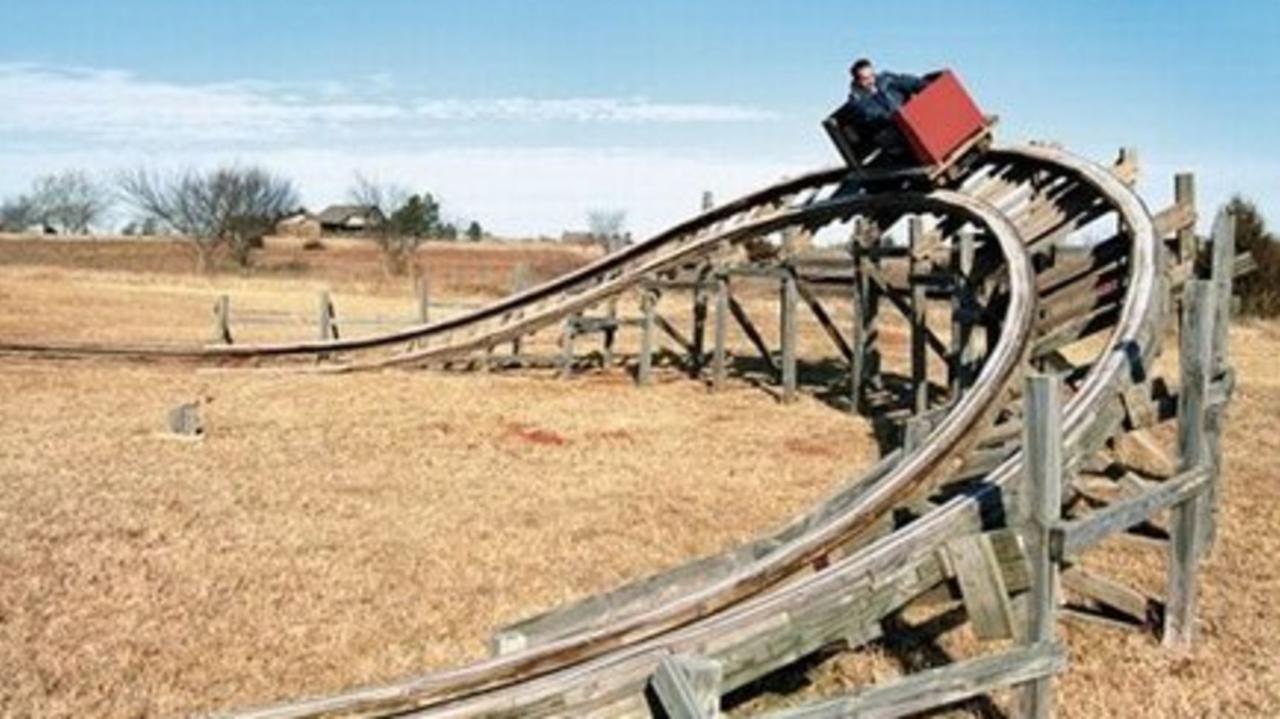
(943, 128)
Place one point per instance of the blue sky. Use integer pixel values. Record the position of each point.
(525, 114)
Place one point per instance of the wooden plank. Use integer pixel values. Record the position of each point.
(1221, 274)
(919, 359)
(1078, 535)
(787, 321)
(1174, 218)
(986, 598)
(1184, 193)
(719, 358)
(939, 687)
(824, 319)
(1041, 510)
(961, 299)
(644, 365)
(568, 333)
(1196, 359)
(688, 687)
(753, 335)
(698, 331)
(1108, 592)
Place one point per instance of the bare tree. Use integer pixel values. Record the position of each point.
(232, 207)
(606, 227)
(407, 219)
(19, 213)
(70, 201)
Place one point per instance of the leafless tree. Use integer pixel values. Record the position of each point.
(606, 227)
(400, 232)
(19, 213)
(231, 207)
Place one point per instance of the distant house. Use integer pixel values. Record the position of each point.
(350, 219)
(299, 224)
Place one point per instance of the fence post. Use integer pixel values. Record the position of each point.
(1195, 348)
(424, 299)
(1184, 193)
(644, 366)
(1221, 275)
(1040, 509)
(222, 320)
(788, 332)
(719, 358)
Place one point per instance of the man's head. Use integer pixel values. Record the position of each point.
(864, 74)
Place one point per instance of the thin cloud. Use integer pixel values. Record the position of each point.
(113, 105)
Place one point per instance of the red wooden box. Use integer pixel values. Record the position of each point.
(939, 119)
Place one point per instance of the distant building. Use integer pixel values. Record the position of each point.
(350, 219)
(299, 224)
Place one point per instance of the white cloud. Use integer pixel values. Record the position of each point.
(96, 104)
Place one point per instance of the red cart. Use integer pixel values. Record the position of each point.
(941, 125)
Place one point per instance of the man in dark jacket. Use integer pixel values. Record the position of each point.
(874, 97)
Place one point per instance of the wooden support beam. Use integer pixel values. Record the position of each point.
(688, 687)
(787, 322)
(753, 335)
(1078, 535)
(644, 365)
(1040, 511)
(1221, 275)
(1186, 534)
(919, 326)
(1108, 592)
(982, 586)
(941, 686)
(962, 255)
(222, 320)
(719, 357)
(698, 355)
(824, 318)
(568, 334)
(1184, 194)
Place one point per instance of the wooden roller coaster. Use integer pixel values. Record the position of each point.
(1043, 285)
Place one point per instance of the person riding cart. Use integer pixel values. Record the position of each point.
(873, 100)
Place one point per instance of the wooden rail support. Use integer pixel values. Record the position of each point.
(222, 320)
(1040, 511)
(688, 687)
(610, 332)
(719, 357)
(644, 365)
(961, 300)
(788, 336)
(698, 332)
(919, 326)
(1221, 275)
(1184, 193)
(567, 336)
(1186, 533)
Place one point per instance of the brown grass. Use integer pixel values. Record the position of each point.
(338, 530)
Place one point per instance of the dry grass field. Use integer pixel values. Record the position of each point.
(337, 530)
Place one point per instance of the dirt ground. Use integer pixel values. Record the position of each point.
(337, 530)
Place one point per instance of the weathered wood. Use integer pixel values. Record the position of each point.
(222, 320)
(698, 331)
(1184, 194)
(1041, 510)
(568, 333)
(919, 360)
(1221, 274)
(753, 335)
(644, 364)
(1108, 592)
(787, 322)
(961, 298)
(941, 686)
(719, 358)
(982, 586)
(1078, 535)
(824, 318)
(688, 687)
(1186, 534)
(326, 328)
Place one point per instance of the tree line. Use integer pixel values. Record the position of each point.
(226, 209)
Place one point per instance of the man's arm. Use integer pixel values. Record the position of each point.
(908, 84)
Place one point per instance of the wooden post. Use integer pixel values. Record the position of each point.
(222, 320)
(423, 288)
(961, 302)
(1184, 193)
(644, 367)
(1195, 348)
(325, 329)
(1041, 508)
(566, 344)
(699, 331)
(1221, 274)
(865, 305)
(788, 333)
(719, 358)
(919, 359)
(610, 331)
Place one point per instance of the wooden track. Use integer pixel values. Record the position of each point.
(763, 605)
